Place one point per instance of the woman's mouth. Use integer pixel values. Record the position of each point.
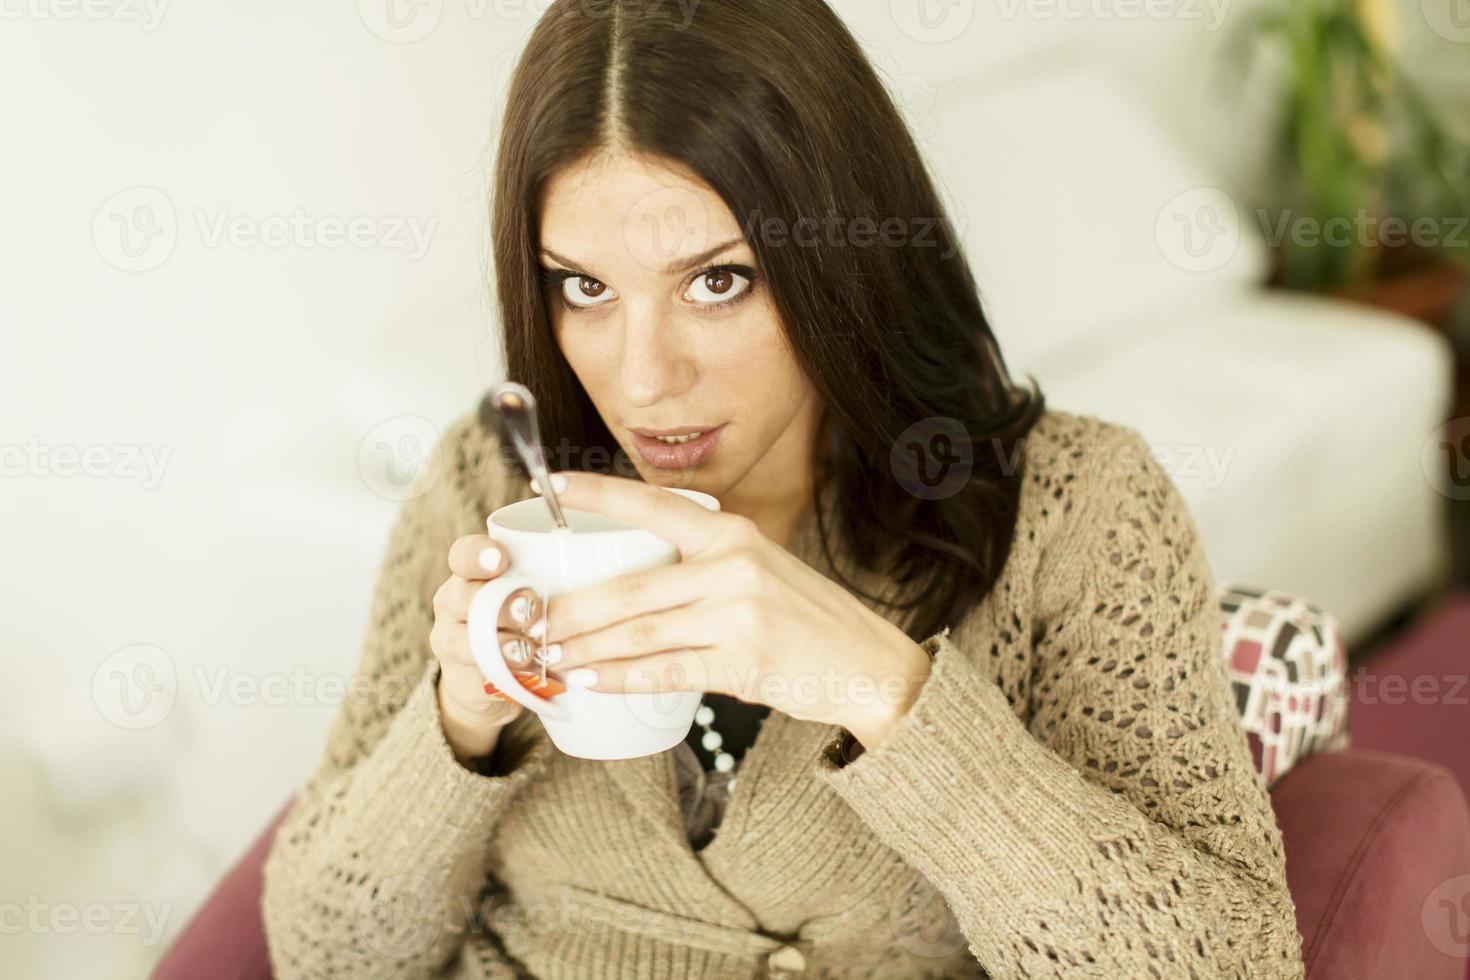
(681, 450)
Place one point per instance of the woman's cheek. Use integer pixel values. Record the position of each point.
(589, 355)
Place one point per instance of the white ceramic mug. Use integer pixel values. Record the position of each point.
(581, 722)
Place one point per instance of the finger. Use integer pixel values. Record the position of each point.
(468, 557)
(599, 606)
(687, 525)
(518, 651)
(672, 670)
(532, 681)
(452, 600)
(519, 610)
(686, 627)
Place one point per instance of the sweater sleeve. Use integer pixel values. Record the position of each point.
(1115, 825)
(377, 870)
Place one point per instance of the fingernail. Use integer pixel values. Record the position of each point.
(580, 677)
(520, 609)
(537, 629)
(553, 654)
(558, 483)
(490, 559)
(517, 651)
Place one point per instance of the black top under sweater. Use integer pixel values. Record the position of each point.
(738, 723)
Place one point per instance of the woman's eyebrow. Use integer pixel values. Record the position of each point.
(675, 267)
(685, 264)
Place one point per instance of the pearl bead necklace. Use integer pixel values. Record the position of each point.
(712, 741)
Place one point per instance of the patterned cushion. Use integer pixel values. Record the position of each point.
(1288, 671)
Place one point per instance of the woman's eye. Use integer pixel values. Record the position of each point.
(717, 286)
(584, 291)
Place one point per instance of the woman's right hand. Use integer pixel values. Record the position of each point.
(472, 718)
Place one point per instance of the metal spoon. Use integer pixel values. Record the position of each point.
(518, 407)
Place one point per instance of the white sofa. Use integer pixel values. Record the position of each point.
(1293, 424)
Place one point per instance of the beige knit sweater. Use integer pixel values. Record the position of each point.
(1069, 796)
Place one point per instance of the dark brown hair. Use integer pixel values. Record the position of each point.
(774, 105)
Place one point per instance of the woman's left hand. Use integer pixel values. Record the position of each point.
(738, 615)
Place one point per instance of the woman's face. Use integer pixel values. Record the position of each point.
(661, 312)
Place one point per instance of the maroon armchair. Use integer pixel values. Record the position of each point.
(1369, 836)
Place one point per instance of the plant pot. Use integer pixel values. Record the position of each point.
(1417, 282)
(1427, 293)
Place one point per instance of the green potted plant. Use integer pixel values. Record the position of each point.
(1373, 197)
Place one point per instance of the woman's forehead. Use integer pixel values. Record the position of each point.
(616, 209)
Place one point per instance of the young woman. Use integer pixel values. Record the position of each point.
(961, 650)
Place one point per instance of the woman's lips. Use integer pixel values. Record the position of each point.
(680, 457)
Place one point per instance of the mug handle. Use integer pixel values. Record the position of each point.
(484, 631)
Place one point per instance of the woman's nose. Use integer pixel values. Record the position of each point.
(655, 363)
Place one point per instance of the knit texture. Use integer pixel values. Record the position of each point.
(703, 794)
(1070, 794)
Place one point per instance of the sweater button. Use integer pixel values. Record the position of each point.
(785, 962)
